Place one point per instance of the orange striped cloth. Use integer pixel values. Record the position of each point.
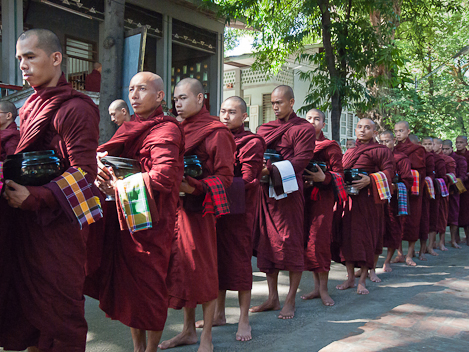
(430, 187)
(416, 184)
(382, 185)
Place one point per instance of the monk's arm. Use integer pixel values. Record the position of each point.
(334, 153)
(385, 162)
(252, 159)
(303, 147)
(404, 171)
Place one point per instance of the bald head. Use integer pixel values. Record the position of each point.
(319, 112)
(414, 139)
(427, 143)
(369, 122)
(119, 112)
(285, 91)
(437, 145)
(240, 102)
(387, 133)
(194, 85)
(119, 104)
(448, 142)
(46, 40)
(151, 79)
(9, 107)
(447, 147)
(145, 93)
(365, 130)
(402, 131)
(387, 138)
(403, 123)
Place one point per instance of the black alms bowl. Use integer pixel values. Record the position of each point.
(193, 167)
(313, 166)
(351, 175)
(33, 168)
(122, 167)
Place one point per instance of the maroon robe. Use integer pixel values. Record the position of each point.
(132, 277)
(45, 305)
(280, 231)
(440, 172)
(461, 172)
(425, 218)
(93, 81)
(193, 272)
(234, 231)
(444, 202)
(393, 222)
(362, 218)
(9, 138)
(416, 154)
(463, 220)
(319, 212)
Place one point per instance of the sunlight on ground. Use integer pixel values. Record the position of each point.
(349, 321)
(429, 274)
(406, 284)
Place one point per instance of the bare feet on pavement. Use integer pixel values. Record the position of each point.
(346, 284)
(442, 247)
(409, 261)
(387, 267)
(398, 259)
(361, 290)
(184, 338)
(244, 332)
(455, 245)
(216, 322)
(267, 305)
(287, 312)
(432, 252)
(312, 295)
(422, 256)
(373, 277)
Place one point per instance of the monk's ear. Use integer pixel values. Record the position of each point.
(56, 58)
(292, 102)
(160, 96)
(200, 98)
(245, 116)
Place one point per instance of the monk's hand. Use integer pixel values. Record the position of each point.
(265, 171)
(186, 187)
(103, 172)
(317, 176)
(15, 194)
(362, 183)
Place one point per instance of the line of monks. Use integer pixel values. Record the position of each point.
(175, 239)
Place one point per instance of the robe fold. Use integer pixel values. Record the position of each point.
(417, 155)
(463, 219)
(460, 172)
(393, 223)
(9, 138)
(193, 270)
(234, 231)
(44, 303)
(362, 218)
(279, 235)
(134, 267)
(425, 218)
(444, 202)
(319, 212)
(440, 172)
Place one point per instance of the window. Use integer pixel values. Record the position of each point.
(267, 110)
(80, 58)
(343, 124)
(349, 125)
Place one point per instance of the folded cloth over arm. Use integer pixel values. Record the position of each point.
(430, 187)
(215, 200)
(460, 186)
(402, 199)
(288, 180)
(382, 185)
(416, 184)
(339, 184)
(452, 177)
(443, 189)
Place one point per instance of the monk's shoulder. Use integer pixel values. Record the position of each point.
(166, 131)
(78, 108)
(302, 130)
(254, 147)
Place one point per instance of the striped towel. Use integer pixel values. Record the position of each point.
(134, 202)
(452, 177)
(460, 186)
(416, 185)
(215, 200)
(443, 189)
(339, 184)
(401, 199)
(430, 187)
(289, 181)
(382, 185)
(77, 190)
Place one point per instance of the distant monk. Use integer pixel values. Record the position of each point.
(93, 80)
(444, 203)
(364, 216)
(234, 231)
(440, 173)
(319, 207)
(119, 112)
(416, 154)
(280, 233)
(135, 263)
(350, 143)
(463, 221)
(9, 134)
(193, 272)
(453, 210)
(44, 305)
(393, 220)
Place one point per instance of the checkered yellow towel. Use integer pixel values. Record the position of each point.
(415, 190)
(430, 187)
(460, 186)
(134, 202)
(382, 185)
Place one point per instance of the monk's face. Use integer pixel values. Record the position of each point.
(401, 132)
(231, 115)
(461, 143)
(144, 95)
(447, 149)
(315, 118)
(437, 147)
(349, 144)
(281, 105)
(428, 145)
(365, 130)
(187, 103)
(387, 140)
(118, 116)
(39, 69)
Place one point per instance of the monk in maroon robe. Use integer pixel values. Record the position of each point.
(279, 236)
(393, 222)
(453, 209)
(416, 154)
(45, 304)
(364, 213)
(193, 272)
(234, 230)
(463, 221)
(9, 134)
(319, 211)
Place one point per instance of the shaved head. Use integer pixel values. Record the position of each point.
(97, 65)
(427, 139)
(194, 85)
(150, 78)
(8, 106)
(286, 91)
(323, 116)
(145, 93)
(448, 143)
(404, 123)
(414, 139)
(463, 137)
(119, 104)
(240, 101)
(370, 121)
(387, 133)
(437, 141)
(46, 40)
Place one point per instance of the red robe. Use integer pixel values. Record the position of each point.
(461, 172)
(463, 220)
(45, 306)
(393, 223)
(280, 233)
(319, 212)
(193, 272)
(416, 154)
(444, 203)
(440, 172)
(425, 218)
(234, 231)
(93, 81)
(362, 218)
(9, 138)
(132, 277)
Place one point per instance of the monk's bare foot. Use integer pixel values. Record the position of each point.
(244, 332)
(312, 295)
(206, 344)
(387, 267)
(267, 305)
(409, 261)
(432, 252)
(422, 256)
(361, 290)
(184, 338)
(373, 277)
(358, 273)
(346, 284)
(287, 312)
(216, 322)
(442, 247)
(326, 299)
(455, 245)
(398, 259)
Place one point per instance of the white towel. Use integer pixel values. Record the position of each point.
(289, 182)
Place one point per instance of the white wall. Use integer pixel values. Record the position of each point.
(300, 88)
